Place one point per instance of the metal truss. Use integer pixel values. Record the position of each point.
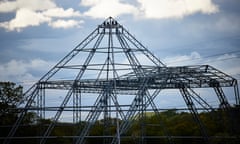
(199, 76)
(192, 108)
(93, 116)
(111, 63)
(222, 98)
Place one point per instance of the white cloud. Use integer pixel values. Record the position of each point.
(60, 12)
(8, 6)
(35, 5)
(90, 2)
(16, 70)
(24, 18)
(12, 68)
(39, 64)
(65, 23)
(175, 8)
(226, 56)
(150, 9)
(35, 13)
(106, 8)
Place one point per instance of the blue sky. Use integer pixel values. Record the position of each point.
(36, 34)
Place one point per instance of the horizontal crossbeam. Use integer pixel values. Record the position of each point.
(202, 76)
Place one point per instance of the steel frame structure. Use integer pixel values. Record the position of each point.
(119, 65)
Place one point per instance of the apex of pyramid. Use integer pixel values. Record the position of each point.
(110, 23)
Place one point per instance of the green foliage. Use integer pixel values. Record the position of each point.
(219, 124)
(10, 97)
(222, 126)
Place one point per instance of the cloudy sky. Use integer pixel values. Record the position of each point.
(36, 34)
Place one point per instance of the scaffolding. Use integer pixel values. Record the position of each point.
(108, 66)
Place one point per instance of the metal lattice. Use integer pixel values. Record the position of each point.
(107, 65)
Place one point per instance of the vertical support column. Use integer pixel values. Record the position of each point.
(187, 98)
(107, 117)
(236, 92)
(227, 108)
(40, 105)
(37, 104)
(76, 104)
(79, 104)
(142, 117)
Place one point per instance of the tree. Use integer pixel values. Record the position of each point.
(10, 97)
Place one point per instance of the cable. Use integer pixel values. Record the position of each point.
(209, 56)
(208, 41)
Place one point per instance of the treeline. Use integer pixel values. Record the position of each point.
(222, 126)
